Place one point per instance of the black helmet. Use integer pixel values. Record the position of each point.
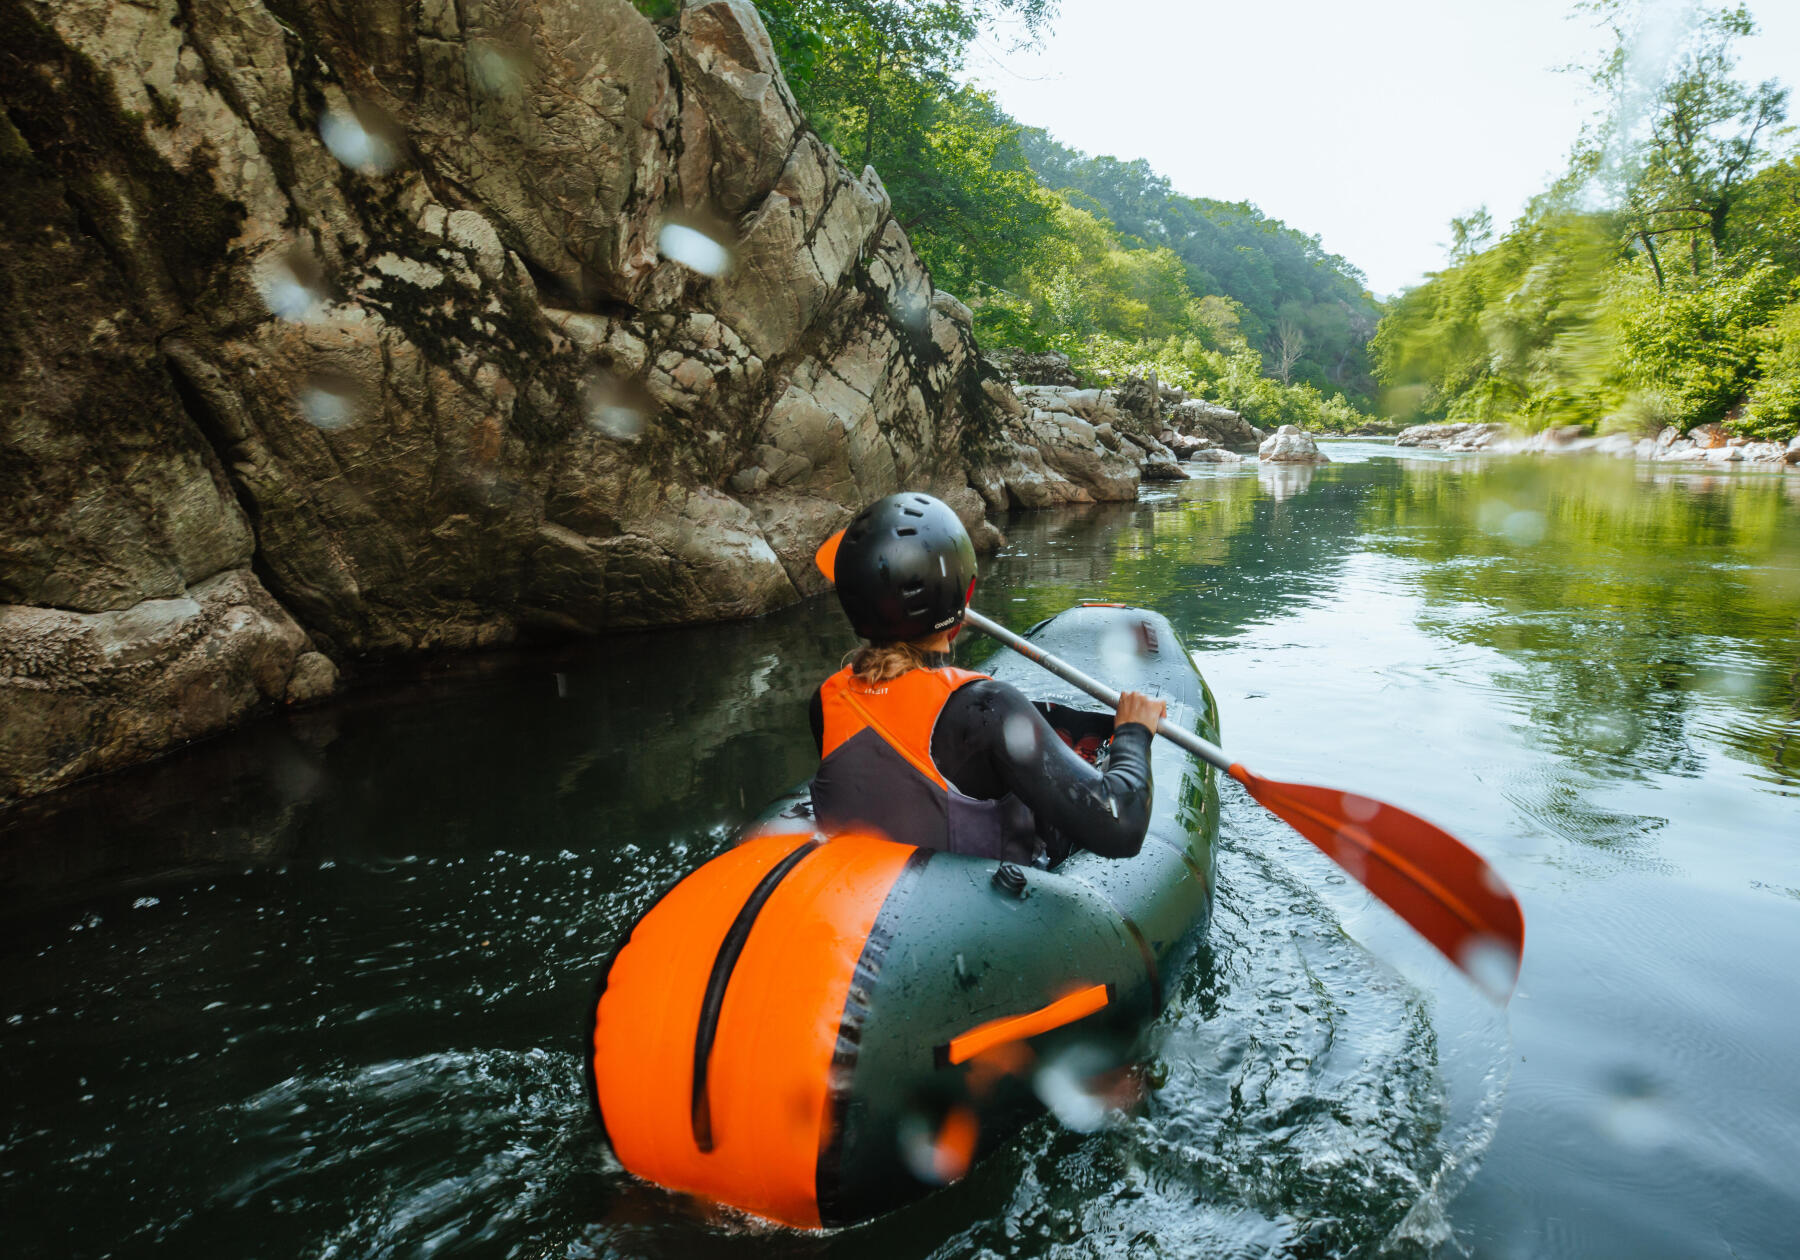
(904, 569)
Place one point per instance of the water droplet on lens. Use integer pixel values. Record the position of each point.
(1360, 808)
(1524, 527)
(1061, 1084)
(1351, 852)
(1490, 964)
(1021, 738)
(361, 139)
(614, 407)
(328, 402)
(1118, 650)
(292, 285)
(1490, 880)
(693, 249)
(1633, 1113)
(497, 69)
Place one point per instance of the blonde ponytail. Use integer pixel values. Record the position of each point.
(883, 662)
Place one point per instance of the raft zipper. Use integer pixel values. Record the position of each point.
(724, 963)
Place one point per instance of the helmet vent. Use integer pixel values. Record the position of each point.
(906, 531)
(906, 511)
(913, 589)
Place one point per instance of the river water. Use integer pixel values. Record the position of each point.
(314, 988)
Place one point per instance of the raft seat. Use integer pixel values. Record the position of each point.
(1088, 733)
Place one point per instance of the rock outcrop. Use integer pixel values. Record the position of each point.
(1025, 367)
(1097, 441)
(1288, 445)
(342, 331)
(90, 690)
(1451, 437)
(1703, 444)
(1217, 424)
(1063, 445)
(1708, 443)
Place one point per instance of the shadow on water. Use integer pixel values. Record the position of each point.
(612, 742)
(315, 988)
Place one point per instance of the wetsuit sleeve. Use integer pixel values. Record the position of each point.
(815, 716)
(991, 740)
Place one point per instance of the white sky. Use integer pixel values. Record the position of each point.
(1369, 122)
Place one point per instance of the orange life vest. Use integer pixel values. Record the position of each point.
(877, 773)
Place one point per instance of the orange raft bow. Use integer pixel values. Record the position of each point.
(746, 1123)
(726, 1038)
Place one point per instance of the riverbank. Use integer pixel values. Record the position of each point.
(1703, 444)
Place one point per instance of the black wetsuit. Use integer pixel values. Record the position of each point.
(1071, 804)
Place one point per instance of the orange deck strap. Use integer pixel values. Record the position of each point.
(997, 1032)
(777, 1028)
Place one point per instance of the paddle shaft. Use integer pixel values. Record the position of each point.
(1179, 736)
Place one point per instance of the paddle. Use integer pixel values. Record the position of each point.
(1443, 888)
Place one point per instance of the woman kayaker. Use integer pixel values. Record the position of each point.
(945, 758)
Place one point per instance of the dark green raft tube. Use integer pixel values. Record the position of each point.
(819, 1031)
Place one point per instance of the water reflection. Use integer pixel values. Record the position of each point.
(588, 756)
(1632, 611)
(1284, 481)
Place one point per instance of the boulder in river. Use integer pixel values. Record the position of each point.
(1115, 433)
(1289, 445)
(1209, 420)
(87, 691)
(1452, 436)
(1764, 453)
(1140, 397)
(1709, 436)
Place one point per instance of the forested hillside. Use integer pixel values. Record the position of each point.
(1309, 312)
(1052, 249)
(1654, 284)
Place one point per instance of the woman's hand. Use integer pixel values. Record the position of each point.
(1135, 706)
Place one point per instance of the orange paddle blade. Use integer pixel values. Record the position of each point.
(826, 556)
(1434, 881)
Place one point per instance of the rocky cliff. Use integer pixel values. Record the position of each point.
(341, 331)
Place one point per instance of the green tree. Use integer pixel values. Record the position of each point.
(1679, 167)
(1696, 345)
(1107, 271)
(1232, 249)
(867, 71)
(1575, 315)
(1766, 224)
(1774, 402)
(878, 80)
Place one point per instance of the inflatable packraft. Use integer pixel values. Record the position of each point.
(818, 1030)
